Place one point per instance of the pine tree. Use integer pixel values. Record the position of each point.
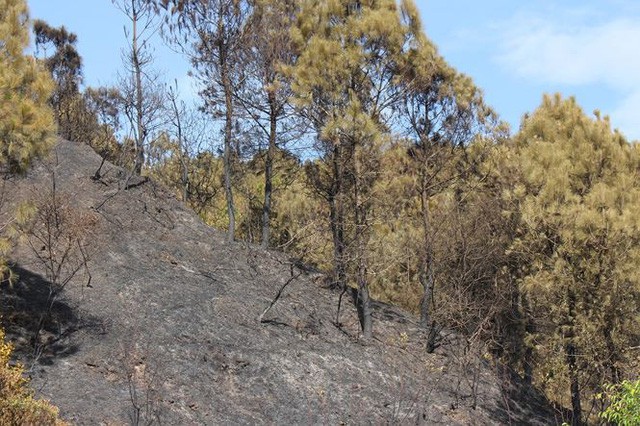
(578, 240)
(65, 66)
(26, 130)
(212, 33)
(142, 96)
(349, 56)
(265, 90)
(26, 122)
(443, 112)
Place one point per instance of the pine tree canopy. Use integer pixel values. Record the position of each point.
(26, 122)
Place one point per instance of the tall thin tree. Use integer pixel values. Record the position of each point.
(142, 94)
(265, 89)
(351, 54)
(212, 34)
(65, 65)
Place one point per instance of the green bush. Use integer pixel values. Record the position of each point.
(624, 408)
(17, 404)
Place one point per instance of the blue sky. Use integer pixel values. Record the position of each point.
(515, 51)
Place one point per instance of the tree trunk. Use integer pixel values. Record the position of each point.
(364, 301)
(228, 128)
(611, 363)
(336, 217)
(572, 354)
(427, 281)
(137, 67)
(268, 170)
(426, 276)
(361, 240)
(184, 157)
(576, 407)
(185, 178)
(521, 312)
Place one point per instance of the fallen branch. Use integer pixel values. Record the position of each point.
(130, 185)
(275, 299)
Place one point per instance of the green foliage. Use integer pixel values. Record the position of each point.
(576, 197)
(205, 194)
(65, 65)
(26, 123)
(17, 404)
(349, 55)
(100, 118)
(530, 244)
(26, 131)
(624, 404)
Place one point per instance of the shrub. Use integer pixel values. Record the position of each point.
(17, 404)
(624, 408)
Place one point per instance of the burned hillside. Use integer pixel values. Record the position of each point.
(162, 320)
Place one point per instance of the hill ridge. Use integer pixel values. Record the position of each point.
(170, 323)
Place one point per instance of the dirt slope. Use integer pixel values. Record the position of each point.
(168, 329)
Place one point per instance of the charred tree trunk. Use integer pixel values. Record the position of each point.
(426, 320)
(613, 356)
(611, 363)
(185, 177)
(361, 240)
(228, 129)
(427, 281)
(364, 301)
(336, 207)
(137, 68)
(426, 273)
(571, 352)
(576, 406)
(530, 329)
(268, 170)
(184, 157)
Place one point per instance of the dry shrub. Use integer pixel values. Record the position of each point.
(59, 234)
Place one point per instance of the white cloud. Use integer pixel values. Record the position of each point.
(550, 53)
(578, 54)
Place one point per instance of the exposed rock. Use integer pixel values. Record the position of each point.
(169, 327)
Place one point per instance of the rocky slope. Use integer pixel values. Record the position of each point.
(171, 327)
